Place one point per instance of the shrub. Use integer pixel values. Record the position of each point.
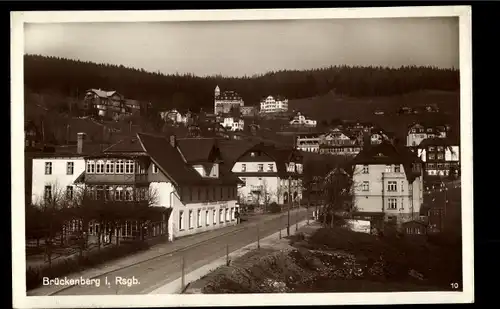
(275, 208)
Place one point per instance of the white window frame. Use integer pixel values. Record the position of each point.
(226, 214)
(397, 168)
(392, 203)
(155, 169)
(70, 168)
(260, 167)
(392, 186)
(366, 169)
(110, 167)
(48, 168)
(221, 215)
(214, 218)
(191, 219)
(388, 169)
(129, 167)
(109, 193)
(243, 167)
(118, 194)
(129, 194)
(207, 218)
(270, 167)
(90, 167)
(119, 167)
(198, 218)
(99, 167)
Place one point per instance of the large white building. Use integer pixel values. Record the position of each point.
(441, 157)
(269, 175)
(271, 104)
(54, 174)
(192, 192)
(388, 182)
(308, 142)
(224, 101)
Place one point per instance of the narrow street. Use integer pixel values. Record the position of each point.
(155, 272)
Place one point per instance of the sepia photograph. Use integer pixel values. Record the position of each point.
(228, 157)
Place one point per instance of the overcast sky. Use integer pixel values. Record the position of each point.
(237, 48)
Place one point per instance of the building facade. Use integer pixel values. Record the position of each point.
(224, 101)
(248, 111)
(388, 181)
(308, 142)
(107, 103)
(272, 104)
(339, 142)
(301, 120)
(441, 157)
(181, 176)
(269, 174)
(233, 123)
(417, 132)
(174, 116)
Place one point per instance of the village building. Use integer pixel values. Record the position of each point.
(269, 174)
(33, 139)
(441, 157)
(274, 104)
(224, 101)
(388, 181)
(232, 123)
(174, 116)
(111, 104)
(339, 142)
(248, 111)
(184, 177)
(308, 142)
(300, 120)
(417, 132)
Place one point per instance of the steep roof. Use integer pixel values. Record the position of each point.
(103, 93)
(385, 153)
(172, 164)
(196, 149)
(129, 144)
(281, 155)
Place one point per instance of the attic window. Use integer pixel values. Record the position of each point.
(252, 154)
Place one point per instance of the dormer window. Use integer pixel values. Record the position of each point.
(252, 154)
(243, 167)
(261, 167)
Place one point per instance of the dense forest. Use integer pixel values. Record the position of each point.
(71, 78)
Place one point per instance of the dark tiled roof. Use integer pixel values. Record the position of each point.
(280, 155)
(170, 161)
(129, 144)
(436, 141)
(196, 149)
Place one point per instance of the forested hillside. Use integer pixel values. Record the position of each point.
(70, 78)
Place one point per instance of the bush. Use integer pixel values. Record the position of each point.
(275, 208)
(34, 276)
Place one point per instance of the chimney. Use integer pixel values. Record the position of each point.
(173, 141)
(80, 139)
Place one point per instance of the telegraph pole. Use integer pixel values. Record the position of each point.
(289, 201)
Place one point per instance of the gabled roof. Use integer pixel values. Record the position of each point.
(196, 149)
(103, 93)
(172, 164)
(281, 156)
(386, 153)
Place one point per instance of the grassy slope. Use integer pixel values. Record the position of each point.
(332, 106)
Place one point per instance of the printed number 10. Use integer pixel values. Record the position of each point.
(454, 285)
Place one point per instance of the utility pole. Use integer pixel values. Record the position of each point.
(289, 201)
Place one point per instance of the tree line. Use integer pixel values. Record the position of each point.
(71, 78)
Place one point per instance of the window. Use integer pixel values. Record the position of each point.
(190, 219)
(198, 218)
(48, 168)
(155, 169)
(110, 167)
(99, 193)
(47, 194)
(432, 156)
(440, 156)
(181, 220)
(119, 167)
(392, 203)
(90, 167)
(227, 214)
(214, 219)
(128, 194)
(99, 168)
(388, 168)
(431, 148)
(440, 148)
(70, 167)
(270, 167)
(431, 166)
(140, 168)
(207, 218)
(221, 215)
(119, 194)
(129, 167)
(366, 186)
(69, 192)
(392, 186)
(365, 169)
(402, 186)
(243, 167)
(261, 167)
(109, 193)
(397, 169)
(232, 214)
